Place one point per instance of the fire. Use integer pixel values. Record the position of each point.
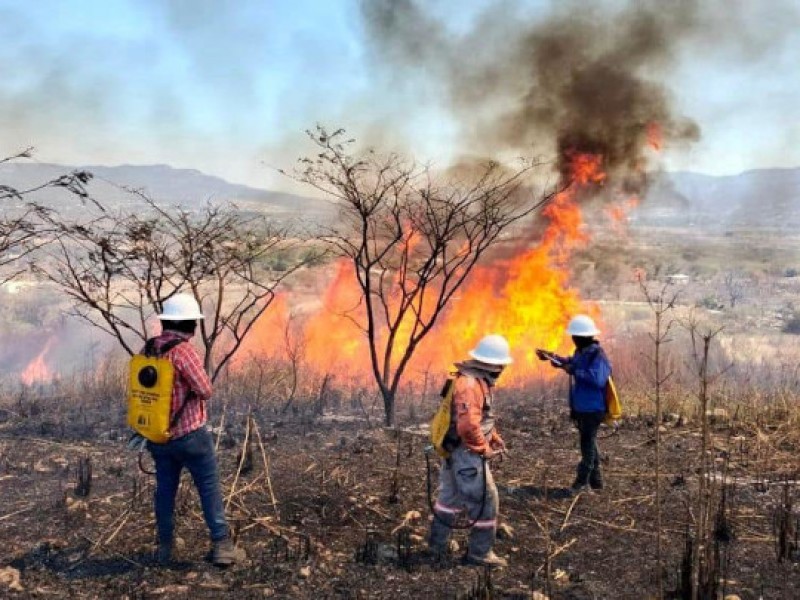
(586, 168)
(655, 136)
(331, 338)
(37, 370)
(527, 298)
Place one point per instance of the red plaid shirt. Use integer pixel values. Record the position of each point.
(191, 384)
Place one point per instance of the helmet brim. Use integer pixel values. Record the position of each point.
(489, 360)
(590, 333)
(481, 366)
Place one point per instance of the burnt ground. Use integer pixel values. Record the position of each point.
(351, 513)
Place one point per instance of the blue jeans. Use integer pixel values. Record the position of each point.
(195, 451)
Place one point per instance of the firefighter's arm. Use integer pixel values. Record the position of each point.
(468, 404)
(559, 362)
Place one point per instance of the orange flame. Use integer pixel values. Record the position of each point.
(37, 370)
(332, 339)
(586, 168)
(655, 136)
(526, 298)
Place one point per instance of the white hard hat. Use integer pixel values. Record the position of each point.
(582, 326)
(181, 307)
(492, 350)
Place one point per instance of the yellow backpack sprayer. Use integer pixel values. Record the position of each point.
(442, 420)
(150, 392)
(150, 397)
(613, 403)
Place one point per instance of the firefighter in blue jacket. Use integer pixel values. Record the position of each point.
(589, 370)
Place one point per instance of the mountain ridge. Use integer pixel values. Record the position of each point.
(753, 198)
(164, 184)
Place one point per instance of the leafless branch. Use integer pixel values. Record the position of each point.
(412, 236)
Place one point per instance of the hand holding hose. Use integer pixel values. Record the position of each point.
(554, 359)
(495, 450)
(489, 454)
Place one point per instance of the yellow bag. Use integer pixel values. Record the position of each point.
(440, 424)
(613, 404)
(150, 394)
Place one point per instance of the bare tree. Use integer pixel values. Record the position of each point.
(22, 218)
(734, 287)
(661, 303)
(701, 338)
(120, 269)
(412, 239)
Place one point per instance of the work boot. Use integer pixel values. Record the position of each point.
(224, 553)
(596, 479)
(581, 483)
(164, 554)
(491, 560)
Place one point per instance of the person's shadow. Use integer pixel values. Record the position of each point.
(74, 563)
(535, 492)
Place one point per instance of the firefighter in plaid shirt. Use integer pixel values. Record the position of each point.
(191, 444)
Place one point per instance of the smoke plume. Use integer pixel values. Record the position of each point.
(581, 80)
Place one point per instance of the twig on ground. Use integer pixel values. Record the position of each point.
(558, 551)
(265, 458)
(628, 529)
(260, 521)
(246, 488)
(569, 511)
(94, 543)
(241, 464)
(18, 512)
(632, 499)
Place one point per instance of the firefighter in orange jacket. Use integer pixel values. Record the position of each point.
(465, 480)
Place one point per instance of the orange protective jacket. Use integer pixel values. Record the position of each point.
(474, 419)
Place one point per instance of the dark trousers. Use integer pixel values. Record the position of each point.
(588, 423)
(195, 451)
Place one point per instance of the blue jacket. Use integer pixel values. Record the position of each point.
(589, 371)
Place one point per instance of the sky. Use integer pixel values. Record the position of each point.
(230, 87)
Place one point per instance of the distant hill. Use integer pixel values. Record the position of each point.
(165, 184)
(763, 198)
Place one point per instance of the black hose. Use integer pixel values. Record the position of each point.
(141, 464)
(430, 496)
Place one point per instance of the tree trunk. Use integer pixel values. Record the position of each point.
(388, 408)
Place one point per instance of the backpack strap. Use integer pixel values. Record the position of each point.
(150, 347)
(169, 346)
(174, 420)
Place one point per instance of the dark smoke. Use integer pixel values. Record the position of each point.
(581, 80)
